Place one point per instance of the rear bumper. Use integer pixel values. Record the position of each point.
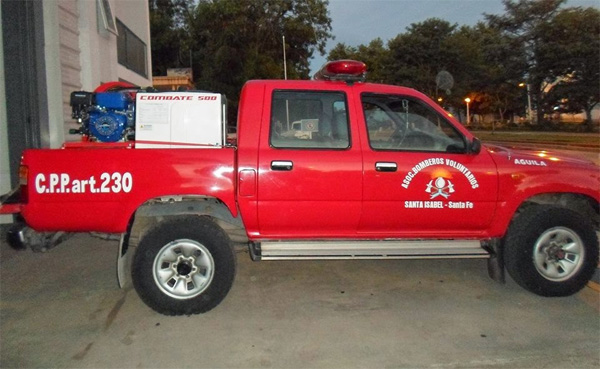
(10, 203)
(20, 236)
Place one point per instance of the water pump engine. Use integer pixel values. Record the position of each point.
(104, 116)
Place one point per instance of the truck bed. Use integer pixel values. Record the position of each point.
(103, 187)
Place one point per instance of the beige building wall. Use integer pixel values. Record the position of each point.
(136, 16)
(98, 47)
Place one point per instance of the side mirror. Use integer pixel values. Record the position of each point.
(475, 146)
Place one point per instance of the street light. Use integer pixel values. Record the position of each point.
(468, 100)
(529, 110)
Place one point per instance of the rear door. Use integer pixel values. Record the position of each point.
(310, 169)
(419, 180)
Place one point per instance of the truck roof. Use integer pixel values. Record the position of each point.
(328, 85)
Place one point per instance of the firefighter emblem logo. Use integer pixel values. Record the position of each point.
(440, 186)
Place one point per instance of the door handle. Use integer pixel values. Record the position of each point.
(384, 166)
(283, 165)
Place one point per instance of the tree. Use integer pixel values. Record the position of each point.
(170, 40)
(487, 64)
(498, 63)
(427, 48)
(570, 53)
(419, 54)
(525, 21)
(238, 40)
(342, 51)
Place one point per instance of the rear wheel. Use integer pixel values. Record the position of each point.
(551, 251)
(184, 265)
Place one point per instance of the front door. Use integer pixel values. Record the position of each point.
(419, 180)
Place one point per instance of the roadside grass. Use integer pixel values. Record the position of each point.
(581, 141)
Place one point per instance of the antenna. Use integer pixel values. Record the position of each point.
(284, 59)
(287, 102)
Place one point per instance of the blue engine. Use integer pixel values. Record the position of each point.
(104, 116)
(109, 120)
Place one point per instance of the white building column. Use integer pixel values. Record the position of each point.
(56, 125)
(4, 152)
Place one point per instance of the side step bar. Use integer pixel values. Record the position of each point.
(394, 249)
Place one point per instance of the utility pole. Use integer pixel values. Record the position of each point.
(468, 100)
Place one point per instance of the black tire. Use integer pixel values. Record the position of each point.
(551, 251)
(183, 266)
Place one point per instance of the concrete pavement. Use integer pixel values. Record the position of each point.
(64, 309)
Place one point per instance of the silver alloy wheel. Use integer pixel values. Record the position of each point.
(183, 269)
(558, 254)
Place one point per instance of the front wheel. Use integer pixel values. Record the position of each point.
(551, 251)
(183, 266)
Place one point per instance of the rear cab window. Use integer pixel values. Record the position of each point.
(309, 120)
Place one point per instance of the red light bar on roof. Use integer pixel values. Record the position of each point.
(342, 70)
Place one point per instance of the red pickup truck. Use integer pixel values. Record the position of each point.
(323, 169)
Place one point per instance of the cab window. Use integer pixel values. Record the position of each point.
(405, 123)
(309, 119)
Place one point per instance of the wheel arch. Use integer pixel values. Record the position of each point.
(508, 211)
(579, 203)
(159, 209)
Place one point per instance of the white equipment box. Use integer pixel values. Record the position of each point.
(180, 120)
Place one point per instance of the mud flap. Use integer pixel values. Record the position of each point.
(124, 263)
(496, 261)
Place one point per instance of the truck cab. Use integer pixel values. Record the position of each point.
(371, 161)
